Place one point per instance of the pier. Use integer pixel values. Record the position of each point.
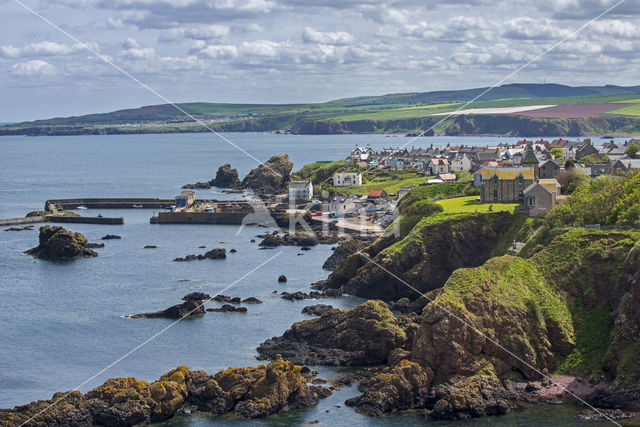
(108, 203)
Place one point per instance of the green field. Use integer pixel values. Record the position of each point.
(469, 204)
(630, 110)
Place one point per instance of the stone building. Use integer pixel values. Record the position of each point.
(506, 184)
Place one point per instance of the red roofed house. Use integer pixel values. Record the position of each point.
(438, 165)
(377, 193)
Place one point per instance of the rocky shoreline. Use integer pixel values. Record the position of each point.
(244, 392)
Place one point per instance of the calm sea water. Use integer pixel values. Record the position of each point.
(62, 322)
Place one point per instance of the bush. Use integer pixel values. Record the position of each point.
(571, 179)
(423, 208)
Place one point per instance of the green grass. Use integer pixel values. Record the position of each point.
(470, 205)
(390, 183)
(630, 110)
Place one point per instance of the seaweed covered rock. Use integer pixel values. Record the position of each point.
(58, 243)
(271, 177)
(247, 392)
(342, 251)
(364, 335)
(404, 386)
(424, 259)
(226, 177)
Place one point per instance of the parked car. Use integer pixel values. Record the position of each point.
(319, 213)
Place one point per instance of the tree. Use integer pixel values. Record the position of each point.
(571, 179)
(632, 150)
(557, 153)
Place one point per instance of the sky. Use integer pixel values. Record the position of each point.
(298, 51)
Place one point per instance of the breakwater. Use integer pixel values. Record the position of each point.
(109, 203)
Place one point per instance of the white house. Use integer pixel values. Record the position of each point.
(342, 206)
(460, 163)
(347, 179)
(300, 191)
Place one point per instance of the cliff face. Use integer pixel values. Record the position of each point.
(554, 311)
(424, 259)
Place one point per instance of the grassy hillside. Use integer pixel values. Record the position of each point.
(403, 112)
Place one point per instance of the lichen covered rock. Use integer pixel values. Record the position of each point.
(404, 386)
(226, 177)
(248, 392)
(58, 243)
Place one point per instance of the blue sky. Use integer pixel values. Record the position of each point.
(286, 51)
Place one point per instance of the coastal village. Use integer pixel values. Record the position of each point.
(529, 174)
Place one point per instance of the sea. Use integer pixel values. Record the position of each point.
(63, 324)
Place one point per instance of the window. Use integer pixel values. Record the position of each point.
(495, 194)
(531, 201)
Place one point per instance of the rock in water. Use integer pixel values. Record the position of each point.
(399, 388)
(226, 308)
(271, 177)
(218, 253)
(317, 310)
(111, 237)
(197, 296)
(226, 177)
(282, 279)
(59, 243)
(246, 392)
(188, 308)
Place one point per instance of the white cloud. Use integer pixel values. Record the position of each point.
(206, 32)
(219, 51)
(9, 51)
(310, 35)
(35, 67)
(137, 53)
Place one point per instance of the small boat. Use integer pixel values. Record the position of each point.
(209, 209)
(81, 207)
(170, 208)
(137, 206)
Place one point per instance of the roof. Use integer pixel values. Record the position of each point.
(299, 184)
(508, 173)
(438, 161)
(552, 162)
(377, 192)
(447, 177)
(551, 185)
(530, 157)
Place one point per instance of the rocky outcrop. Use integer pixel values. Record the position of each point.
(190, 307)
(226, 177)
(226, 308)
(245, 392)
(469, 397)
(271, 177)
(197, 186)
(317, 309)
(293, 296)
(342, 251)
(111, 237)
(362, 336)
(58, 243)
(404, 386)
(218, 253)
(424, 259)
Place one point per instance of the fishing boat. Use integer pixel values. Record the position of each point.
(81, 207)
(137, 206)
